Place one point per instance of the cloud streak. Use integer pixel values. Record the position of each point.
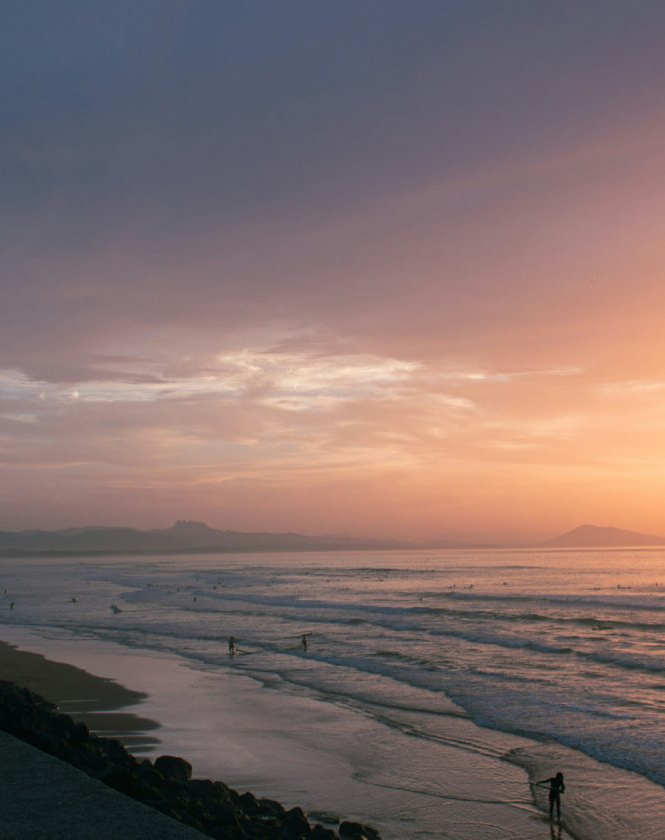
(411, 285)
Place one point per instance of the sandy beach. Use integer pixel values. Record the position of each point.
(378, 721)
(253, 738)
(97, 701)
(273, 746)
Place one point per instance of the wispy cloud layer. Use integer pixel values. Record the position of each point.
(411, 286)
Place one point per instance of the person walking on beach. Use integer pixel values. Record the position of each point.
(232, 645)
(557, 787)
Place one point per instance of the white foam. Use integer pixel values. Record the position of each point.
(394, 636)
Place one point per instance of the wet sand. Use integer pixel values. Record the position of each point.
(230, 727)
(97, 701)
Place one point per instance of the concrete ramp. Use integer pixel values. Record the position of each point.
(42, 798)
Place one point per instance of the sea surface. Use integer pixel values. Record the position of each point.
(433, 681)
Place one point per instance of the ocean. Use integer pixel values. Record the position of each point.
(434, 684)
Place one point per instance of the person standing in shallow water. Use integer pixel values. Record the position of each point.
(557, 787)
(232, 645)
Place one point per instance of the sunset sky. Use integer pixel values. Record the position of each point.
(393, 268)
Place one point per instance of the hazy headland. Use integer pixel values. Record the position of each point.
(197, 537)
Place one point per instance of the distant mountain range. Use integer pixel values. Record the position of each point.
(591, 536)
(183, 536)
(198, 537)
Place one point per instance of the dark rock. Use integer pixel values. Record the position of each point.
(356, 831)
(116, 752)
(149, 775)
(248, 803)
(268, 821)
(80, 733)
(64, 725)
(46, 741)
(210, 792)
(225, 816)
(127, 782)
(91, 762)
(226, 833)
(174, 768)
(210, 807)
(296, 821)
(165, 808)
(270, 807)
(321, 833)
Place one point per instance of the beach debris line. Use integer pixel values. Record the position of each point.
(166, 784)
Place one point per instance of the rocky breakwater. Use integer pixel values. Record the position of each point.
(166, 784)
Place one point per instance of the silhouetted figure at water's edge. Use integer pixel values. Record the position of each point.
(557, 787)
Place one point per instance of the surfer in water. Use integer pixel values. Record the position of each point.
(304, 641)
(232, 645)
(557, 787)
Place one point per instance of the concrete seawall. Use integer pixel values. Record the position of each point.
(42, 798)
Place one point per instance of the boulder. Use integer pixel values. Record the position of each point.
(148, 774)
(80, 734)
(356, 831)
(296, 821)
(173, 767)
(127, 782)
(321, 833)
(210, 792)
(247, 801)
(210, 807)
(270, 807)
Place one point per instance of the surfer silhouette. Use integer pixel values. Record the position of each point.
(232, 645)
(557, 787)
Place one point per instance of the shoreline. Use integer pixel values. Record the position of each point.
(98, 702)
(257, 723)
(82, 718)
(93, 697)
(340, 735)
